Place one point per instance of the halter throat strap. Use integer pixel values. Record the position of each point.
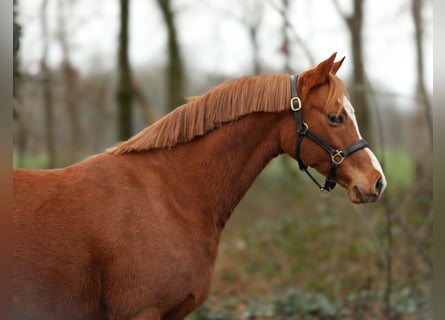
(303, 130)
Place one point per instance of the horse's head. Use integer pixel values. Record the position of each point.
(329, 136)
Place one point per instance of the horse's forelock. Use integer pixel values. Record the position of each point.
(337, 91)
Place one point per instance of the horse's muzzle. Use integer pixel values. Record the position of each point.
(372, 197)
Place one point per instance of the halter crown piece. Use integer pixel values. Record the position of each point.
(303, 130)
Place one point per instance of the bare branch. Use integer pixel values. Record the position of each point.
(289, 27)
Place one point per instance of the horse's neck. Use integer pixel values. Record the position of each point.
(218, 168)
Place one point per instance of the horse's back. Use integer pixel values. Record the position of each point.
(32, 187)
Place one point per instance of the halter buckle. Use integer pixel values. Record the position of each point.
(337, 157)
(292, 106)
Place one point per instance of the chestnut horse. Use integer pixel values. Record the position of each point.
(132, 233)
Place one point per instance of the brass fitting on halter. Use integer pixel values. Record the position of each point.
(338, 157)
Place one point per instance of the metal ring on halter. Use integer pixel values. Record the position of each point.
(337, 155)
(304, 130)
(292, 104)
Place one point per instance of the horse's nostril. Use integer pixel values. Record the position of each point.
(379, 186)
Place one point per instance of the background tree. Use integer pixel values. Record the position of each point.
(175, 68)
(20, 133)
(70, 84)
(253, 13)
(16, 46)
(424, 122)
(124, 90)
(46, 76)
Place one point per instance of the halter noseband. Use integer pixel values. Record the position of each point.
(303, 130)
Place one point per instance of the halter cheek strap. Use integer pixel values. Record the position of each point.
(303, 130)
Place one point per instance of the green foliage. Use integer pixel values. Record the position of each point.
(205, 313)
(399, 168)
(39, 160)
(297, 304)
(31, 161)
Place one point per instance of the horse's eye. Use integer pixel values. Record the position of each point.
(335, 118)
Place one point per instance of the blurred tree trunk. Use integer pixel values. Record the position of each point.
(16, 45)
(21, 129)
(124, 91)
(423, 121)
(70, 88)
(252, 16)
(175, 72)
(47, 90)
(354, 22)
(283, 10)
(253, 31)
(285, 47)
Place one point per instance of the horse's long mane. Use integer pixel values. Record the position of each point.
(224, 103)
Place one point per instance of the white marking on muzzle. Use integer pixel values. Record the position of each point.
(375, 163)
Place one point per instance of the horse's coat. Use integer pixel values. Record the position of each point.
(133, 233)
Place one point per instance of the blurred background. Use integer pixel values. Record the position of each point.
(88, 74)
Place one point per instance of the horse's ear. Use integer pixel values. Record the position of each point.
(317, 75)
(337, 65)
(323, 68)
